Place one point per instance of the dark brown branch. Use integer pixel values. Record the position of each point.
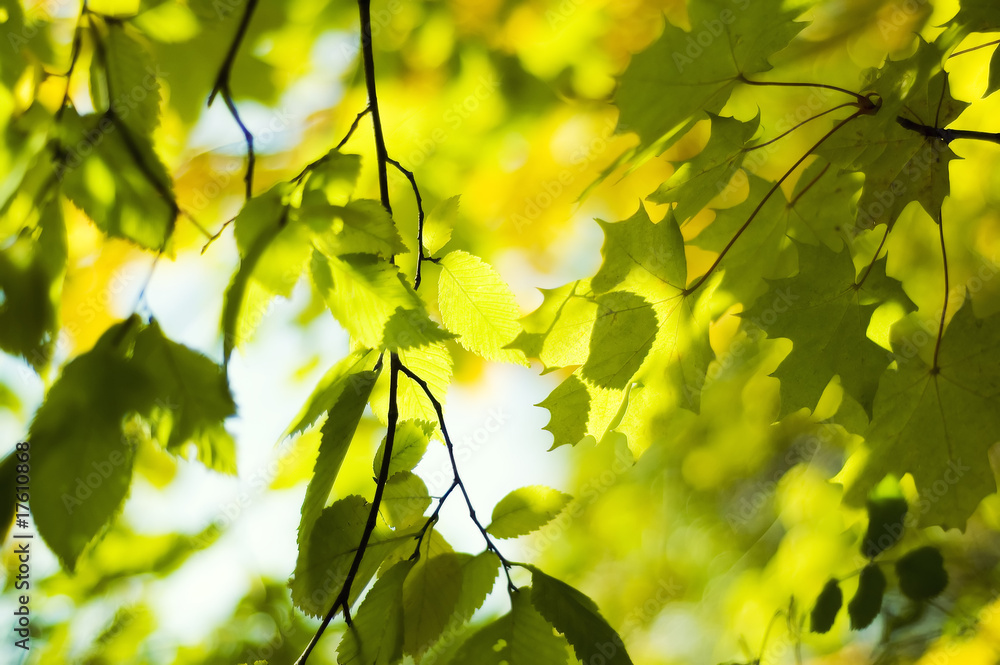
(947, 135)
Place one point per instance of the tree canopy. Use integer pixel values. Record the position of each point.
(538, 331)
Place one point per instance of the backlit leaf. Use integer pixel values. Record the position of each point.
(525, 510)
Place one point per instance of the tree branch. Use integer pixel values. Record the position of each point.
(222, 86)
(947, 135)
(343, 601)
(457, 477)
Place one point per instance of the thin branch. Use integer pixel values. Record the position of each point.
(311, 165)
(974, 48)
(353, 127)
(343, 600)
(944, 308)
(395, 366)
(247, 137)
(490, 546)
(222, 86)
(691, 289)
(74, 56)
(368, 57)
(947, 135)
(420, 219)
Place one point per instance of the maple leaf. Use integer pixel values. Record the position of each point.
(826, 313)
(938, 424)
(697, 70)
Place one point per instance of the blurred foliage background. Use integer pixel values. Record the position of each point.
(691, 533)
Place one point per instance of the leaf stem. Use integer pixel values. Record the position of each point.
(871, 264)
(861, 99)
(420, 219)
(944, 308)
(694, 287)
(490, 546)
(807, 120)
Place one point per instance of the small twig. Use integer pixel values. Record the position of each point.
(311, 165)
(222, 86)
(935, 368)
(947, 135)
(420, 219)
(974, 48)
(691, 289)
(490, 546)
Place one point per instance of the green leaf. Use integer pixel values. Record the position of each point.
(408, 446)
(703, 177)
(901, 165)
(344, 413)
(376, 636)
(754, 255)
(373, 303)
(698, 70)
(334, 175)
(993, 84)
(648, 258)
(351, 374)
(81, 450)
(405, 499)
(119, 183)
(825, 313)
(360, 227)
(577, 617)
(938, 425)
(133, 88)
(921, 573)
(31, 280)
(273, 253)
(824, 612)
(478, 305)
(430, 596)
(479, 574)
(867, 601)
(526, 509)
(558, 332)
(433, 364)
(325, 556)
(193, 399)
(885, 525)
(438, 225)
(521, 637)
(623, 334)
(569, 405)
